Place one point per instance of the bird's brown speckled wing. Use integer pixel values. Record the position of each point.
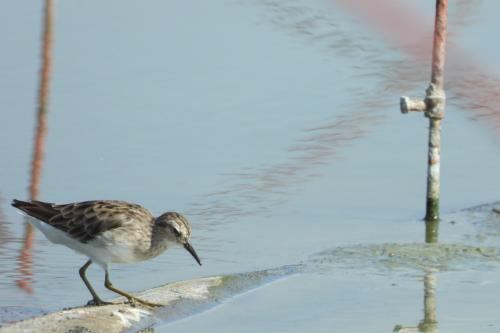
(85, 220)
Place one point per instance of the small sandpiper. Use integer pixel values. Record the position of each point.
(109, 231)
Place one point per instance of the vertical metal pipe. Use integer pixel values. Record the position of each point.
(433, 105)
(435, 110)
(433, 170)
(439, 45)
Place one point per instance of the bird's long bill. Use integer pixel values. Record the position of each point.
(191, 250)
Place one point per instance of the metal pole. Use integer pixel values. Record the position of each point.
(433, 106)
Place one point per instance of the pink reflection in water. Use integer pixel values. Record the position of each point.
(25, 258)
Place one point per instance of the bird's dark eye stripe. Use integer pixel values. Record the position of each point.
(174, 230)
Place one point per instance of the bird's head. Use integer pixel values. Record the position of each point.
(177, 229)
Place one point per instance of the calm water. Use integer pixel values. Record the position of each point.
(275, 127)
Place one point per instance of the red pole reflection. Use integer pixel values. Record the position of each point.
(25, 258)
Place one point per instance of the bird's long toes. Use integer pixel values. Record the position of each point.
(134, 300)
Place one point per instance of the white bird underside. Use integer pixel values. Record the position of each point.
(103, 250)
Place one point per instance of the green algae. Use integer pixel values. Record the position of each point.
(418, 256)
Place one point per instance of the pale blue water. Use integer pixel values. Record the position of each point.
(274, 126)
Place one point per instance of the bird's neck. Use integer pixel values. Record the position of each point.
(159, 241)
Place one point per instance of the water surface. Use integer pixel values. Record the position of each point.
(275, 127)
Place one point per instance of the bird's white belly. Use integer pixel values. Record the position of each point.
(102, 250)
(103, 254)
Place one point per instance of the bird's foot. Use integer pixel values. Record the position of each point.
(133, 300)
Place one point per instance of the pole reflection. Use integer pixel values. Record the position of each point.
(431, 231)
(25, 257)
(429, 323)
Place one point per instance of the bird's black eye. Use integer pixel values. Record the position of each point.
(176, 231)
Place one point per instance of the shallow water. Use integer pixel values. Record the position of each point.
(274, 126)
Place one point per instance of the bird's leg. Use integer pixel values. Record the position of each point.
(131, 298)
(97, 299)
